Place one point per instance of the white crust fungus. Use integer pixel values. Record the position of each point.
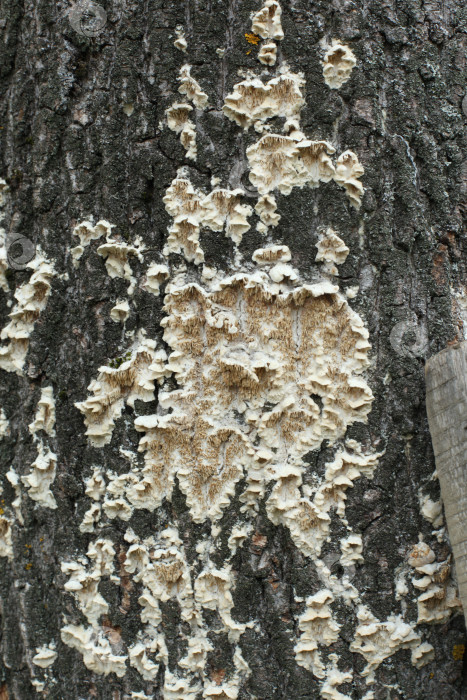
(232, 355)
(351, 548)
(422, 655)
(272, 255)
(117, 386)
(120, 312)
(116, 255)
(439, 596)
(183, 203)
(191, 88)
(91, 518)
(6, 539)
(45, 414)
(266, 208)
(156, 275)
(45, 656)
(376, 640)
(317, 628)
(191, 209)
(338, 64)
(31, 300)
(3, 254)
(4, 424)
(332, 251)
(178, 120)
(268, 53)
(95, 649)
(88, 232)
(252, 102)
(180, 42)
(280, 162)
(348, 172)
(267, 21)
(284, 162)
(41, 477)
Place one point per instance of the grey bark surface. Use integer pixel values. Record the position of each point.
(402, 114)
(446, 400)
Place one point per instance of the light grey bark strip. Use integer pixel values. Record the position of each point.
(446, 402)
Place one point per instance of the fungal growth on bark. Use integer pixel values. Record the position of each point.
(253, 102)
(267, 24)
(229, 415)
(332, 251)
(31, 299)
(131, 377)
(87, 232)
(339, 61)
(192, 209)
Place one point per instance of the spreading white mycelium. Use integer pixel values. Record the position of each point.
(88, 232)
(45, 414)
(31, 299)
(338, 64)
(119, 385)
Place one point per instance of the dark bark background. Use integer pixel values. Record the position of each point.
(402, 113)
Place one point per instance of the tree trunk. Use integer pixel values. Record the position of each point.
(218, 296)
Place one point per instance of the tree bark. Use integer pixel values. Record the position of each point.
(238, 575)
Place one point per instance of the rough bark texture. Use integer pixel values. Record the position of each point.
(70, 151)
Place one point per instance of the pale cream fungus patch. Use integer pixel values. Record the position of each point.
(248, 360)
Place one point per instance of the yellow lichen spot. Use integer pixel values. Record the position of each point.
(252, 38)
(458, 652)
(432, 675)
(28, 566)
(1, 511)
